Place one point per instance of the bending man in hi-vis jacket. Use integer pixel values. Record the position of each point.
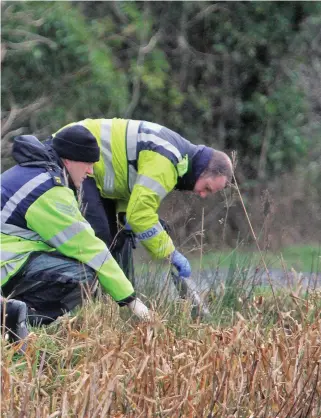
(140, 163)
(48, 250)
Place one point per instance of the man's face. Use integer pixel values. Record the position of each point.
(209, 185)
(78, 171)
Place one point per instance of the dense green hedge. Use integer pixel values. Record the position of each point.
(214, 71)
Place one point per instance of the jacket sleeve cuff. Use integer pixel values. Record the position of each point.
(126, 301)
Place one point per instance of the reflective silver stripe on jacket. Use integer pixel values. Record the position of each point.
(7, 255)
(151, 232)
(144, 137)
(99, 259)
(10, 266)
(109, 179)
(6, 270)
(131, 139)
(152, 185)
(23, 192)
(68, 233)
(10, 229)
(132, 176)
(131, 146)
(155, 127)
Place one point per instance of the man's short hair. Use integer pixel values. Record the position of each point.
(219, 165)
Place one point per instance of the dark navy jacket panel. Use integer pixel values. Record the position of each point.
(151, 146)
(12, 180)
(182, 144)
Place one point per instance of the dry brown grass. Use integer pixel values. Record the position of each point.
(99, 365)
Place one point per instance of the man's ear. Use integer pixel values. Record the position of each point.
(66, 162)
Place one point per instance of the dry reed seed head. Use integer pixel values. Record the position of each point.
(88, 379)
(234, 160)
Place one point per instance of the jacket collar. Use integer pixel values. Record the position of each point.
(196, 166)
(28, 151)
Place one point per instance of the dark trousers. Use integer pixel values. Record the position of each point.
(101, 214)
(50, 285)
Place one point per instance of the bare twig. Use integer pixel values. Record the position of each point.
(15, 113)
(144, 49)
(10, 134)
(262, 257)
(31, 37)
(205, 12)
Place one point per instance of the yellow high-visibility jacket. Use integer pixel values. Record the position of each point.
(40, 214)
(140, 163)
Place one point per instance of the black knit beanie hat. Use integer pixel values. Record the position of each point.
(76, 143)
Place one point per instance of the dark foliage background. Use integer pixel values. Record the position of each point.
(238, 76)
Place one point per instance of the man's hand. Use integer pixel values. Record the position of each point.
(181, 263)
(139, 309)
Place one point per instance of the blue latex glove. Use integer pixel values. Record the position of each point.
(127, 227)
(181, 263)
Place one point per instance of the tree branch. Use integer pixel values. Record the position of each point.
(16, 113)
(22, 16)
(34, 38)
(203, 13)
(142, 52)
(5, 140)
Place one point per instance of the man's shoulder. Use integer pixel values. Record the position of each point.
(17, 176)
(21, 187)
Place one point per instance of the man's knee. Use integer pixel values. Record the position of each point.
(52, 284)
(58, 268)
(87, 275)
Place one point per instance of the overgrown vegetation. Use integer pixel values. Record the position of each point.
(259, 356)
